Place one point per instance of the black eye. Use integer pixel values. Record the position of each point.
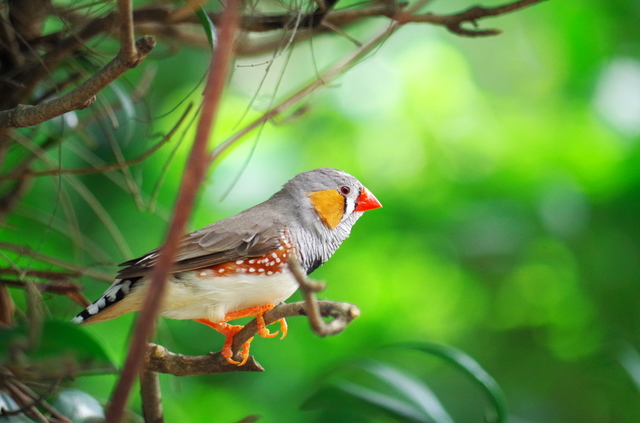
(345, 190)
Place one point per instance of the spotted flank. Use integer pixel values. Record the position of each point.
(115, 293)
(270, 264)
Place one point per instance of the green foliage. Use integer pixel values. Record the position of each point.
(509, 175)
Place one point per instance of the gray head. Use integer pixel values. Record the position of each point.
(326, 203)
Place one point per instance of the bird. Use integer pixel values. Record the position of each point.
(237, 267)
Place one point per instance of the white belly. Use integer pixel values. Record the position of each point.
(211, 297)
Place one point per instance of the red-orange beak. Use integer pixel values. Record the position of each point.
(367, 201)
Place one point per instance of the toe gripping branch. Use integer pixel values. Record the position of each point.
(229, 331)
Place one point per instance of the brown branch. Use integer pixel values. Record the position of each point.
(25, 402)
(165, 16)
(454, 21)
(193, 177)
(79, 98)
(7, 307)
(151, 396)
(59, 287)
(35, 399)
(163, 20)
(309, 289)
(159, 359)
(125, 17)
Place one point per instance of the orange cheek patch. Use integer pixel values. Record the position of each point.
(330, 206)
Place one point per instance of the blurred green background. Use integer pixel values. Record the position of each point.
(509, 171)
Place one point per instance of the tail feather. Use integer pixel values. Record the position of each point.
(113, 295)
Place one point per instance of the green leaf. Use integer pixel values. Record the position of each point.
(207, 25)
(386, 402)
(473, 369)
(397, 394)
(414, 390)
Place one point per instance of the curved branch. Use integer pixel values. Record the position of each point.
(161, 360)
(82, 96)
(454, 21)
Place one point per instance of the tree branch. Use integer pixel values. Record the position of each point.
(161, 360)
(59, 287)
(309, 289)
(193, 177)
(454, 21)
(128, 49)
(79, 98)
(151, 396)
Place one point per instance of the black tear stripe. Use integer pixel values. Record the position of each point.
(314, 265)
(344, 207)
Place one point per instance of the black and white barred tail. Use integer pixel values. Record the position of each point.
(116, 292)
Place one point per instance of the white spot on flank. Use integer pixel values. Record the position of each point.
(271, 263)
(269, 273)
(260, 269)
(252, 261)
(274, 255)
(277, 259)
(239, 261)
(221, 270)
(251, 270)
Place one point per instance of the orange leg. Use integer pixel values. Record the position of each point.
(258, 312)
(229, 331)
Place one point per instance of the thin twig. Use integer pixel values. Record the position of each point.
(39, 400)
(309, 289)
(59, 287)
(25, 402)
(315, 84)
(105, 168)
(125, 17)
(454, 21)
(7, 307)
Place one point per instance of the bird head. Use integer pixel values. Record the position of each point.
(335, 198)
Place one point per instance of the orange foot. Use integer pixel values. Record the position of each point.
(230, 331)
